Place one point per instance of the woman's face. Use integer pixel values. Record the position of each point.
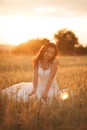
(49, 53)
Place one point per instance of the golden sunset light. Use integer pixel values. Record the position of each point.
(18, 29)
(64, 95)
(24, 20)
(43, 64)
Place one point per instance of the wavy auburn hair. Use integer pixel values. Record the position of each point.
(40, 53)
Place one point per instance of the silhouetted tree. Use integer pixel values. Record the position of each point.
(66, 41)
(31, 47)
(80, 50)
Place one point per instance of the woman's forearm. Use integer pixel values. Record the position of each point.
(35, 78)
(35, 83)
(51, 78)
(48, 85)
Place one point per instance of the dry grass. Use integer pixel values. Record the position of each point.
(33, 115)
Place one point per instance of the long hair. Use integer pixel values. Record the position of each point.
(40, 53)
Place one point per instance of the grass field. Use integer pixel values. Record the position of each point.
(72, 74)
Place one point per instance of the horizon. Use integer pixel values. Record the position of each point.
(24, 20)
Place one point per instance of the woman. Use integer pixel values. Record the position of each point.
(44, 83)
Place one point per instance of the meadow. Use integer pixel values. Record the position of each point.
(33, 115)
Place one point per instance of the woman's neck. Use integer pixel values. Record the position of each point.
(44, 61)
(44, 64)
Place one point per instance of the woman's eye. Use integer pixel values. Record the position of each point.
(52, 53)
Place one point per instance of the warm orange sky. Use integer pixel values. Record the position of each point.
(21, 20)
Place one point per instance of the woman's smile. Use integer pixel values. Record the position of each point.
(49, 53)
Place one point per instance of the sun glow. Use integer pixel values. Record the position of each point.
(19, 29)
(64, 96)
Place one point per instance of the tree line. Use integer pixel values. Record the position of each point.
(66, 41)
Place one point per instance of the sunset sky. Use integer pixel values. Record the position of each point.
(21, 20)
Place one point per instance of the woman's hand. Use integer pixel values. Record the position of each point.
(33, 92)
(44, 97)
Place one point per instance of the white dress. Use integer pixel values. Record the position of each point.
(23, 89)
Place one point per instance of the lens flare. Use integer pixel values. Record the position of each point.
(64, 95)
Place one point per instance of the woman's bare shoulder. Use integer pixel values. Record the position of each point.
(36, 67)
(56, 61)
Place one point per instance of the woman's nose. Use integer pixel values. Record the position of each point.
(49, 54)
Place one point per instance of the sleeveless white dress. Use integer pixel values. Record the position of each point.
(23, 89)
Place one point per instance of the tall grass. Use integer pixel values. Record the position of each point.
(33, 115)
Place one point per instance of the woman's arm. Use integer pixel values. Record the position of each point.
(54, 68)
(35, 80)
